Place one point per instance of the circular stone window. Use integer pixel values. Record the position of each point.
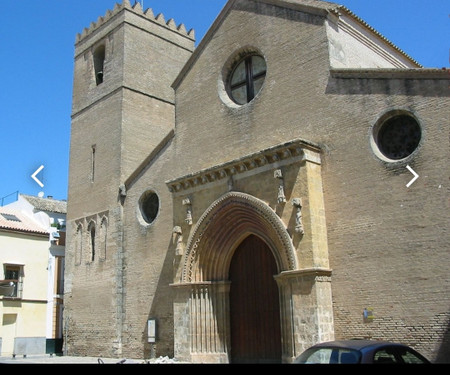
(247, 78)
(149, 206)
(397, 137)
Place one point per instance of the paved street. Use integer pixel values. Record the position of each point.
(48, 359)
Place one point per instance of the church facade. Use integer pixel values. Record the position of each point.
(242, 200)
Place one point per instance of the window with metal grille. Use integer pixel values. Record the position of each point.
(398, 137)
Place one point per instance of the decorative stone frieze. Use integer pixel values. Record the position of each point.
(273, 157)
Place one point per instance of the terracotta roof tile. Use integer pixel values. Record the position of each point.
(15, 220)
(47, 204)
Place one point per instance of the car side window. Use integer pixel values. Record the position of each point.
(322, 355)
(329, 356)
(384, 356)
(348, 357)
(410, 357)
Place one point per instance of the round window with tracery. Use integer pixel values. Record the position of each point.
(398, 137)
(247, 79)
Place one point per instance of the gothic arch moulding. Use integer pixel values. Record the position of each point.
(223, 226)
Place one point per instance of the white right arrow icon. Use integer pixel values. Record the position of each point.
(33, 176)
(416, 176)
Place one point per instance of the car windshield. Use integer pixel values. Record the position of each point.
(329, 356)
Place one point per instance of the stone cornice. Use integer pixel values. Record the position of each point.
(295, 150)
(307, 272)
(200, 284)
(391, 73)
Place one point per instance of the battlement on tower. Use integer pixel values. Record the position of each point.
(136, 9)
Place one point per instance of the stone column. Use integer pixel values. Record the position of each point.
(201, 319)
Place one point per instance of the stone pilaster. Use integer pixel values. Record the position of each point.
(201, 317)
(306, 309)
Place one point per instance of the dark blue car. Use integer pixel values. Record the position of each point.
(360, 351)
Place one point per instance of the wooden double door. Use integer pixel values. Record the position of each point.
(254, 304)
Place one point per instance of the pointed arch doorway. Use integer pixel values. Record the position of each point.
(202, 311)
(254, 304)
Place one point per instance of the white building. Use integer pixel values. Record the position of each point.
(49, 215)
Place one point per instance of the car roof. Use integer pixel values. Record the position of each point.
(355, 344)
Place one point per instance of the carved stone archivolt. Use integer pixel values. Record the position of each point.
(214, 237)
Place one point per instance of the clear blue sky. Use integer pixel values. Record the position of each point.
(36, 69)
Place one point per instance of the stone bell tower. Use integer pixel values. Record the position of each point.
(123, 106)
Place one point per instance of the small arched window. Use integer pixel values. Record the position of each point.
(91, 233)
(103, 238)
(78, 244)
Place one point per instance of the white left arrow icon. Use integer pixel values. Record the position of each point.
(33, 176)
